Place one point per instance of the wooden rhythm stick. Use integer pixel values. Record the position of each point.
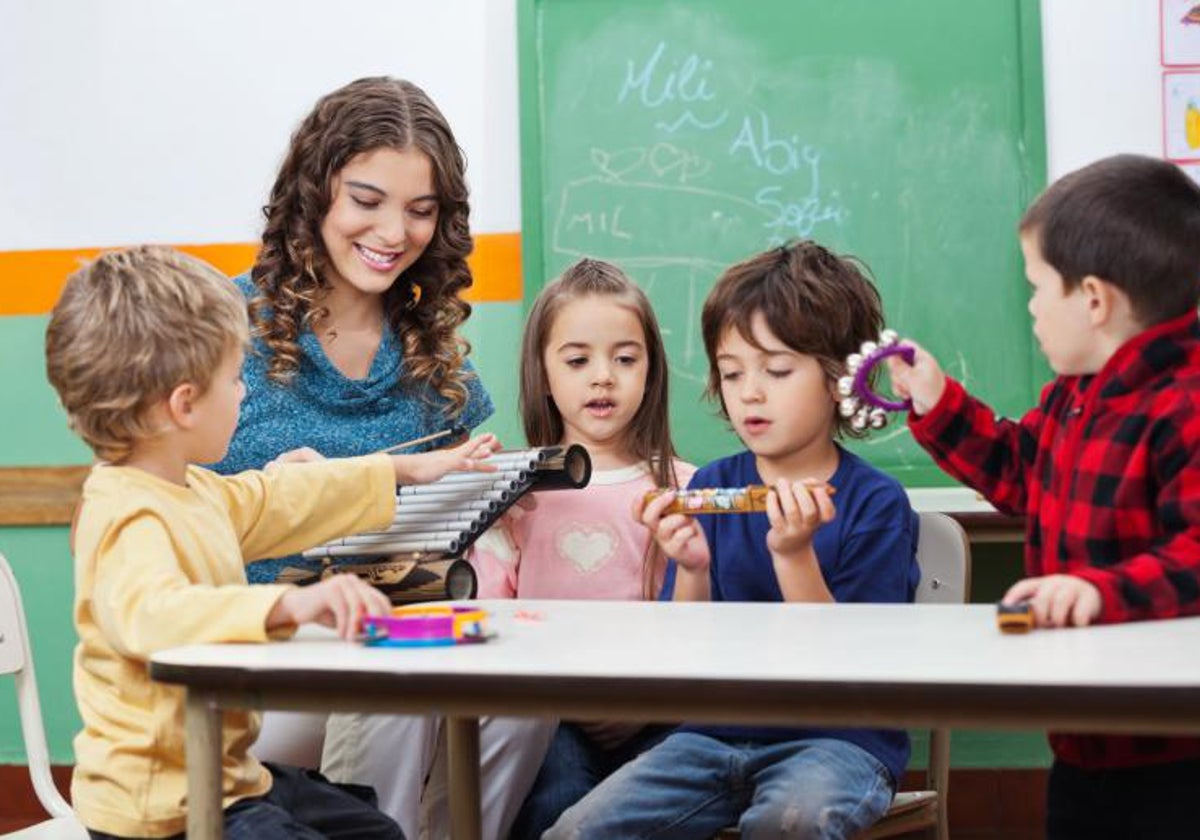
(452, 434)
(442, 519)
(749, 499)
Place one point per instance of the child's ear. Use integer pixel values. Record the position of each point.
(1105, 301)
(181, 405)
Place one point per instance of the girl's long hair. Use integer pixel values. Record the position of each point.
(648, 435)
(365, 115)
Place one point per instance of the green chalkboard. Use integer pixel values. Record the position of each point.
(677, 137)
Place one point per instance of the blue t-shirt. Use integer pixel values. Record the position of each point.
(335, 415)
(868, 553)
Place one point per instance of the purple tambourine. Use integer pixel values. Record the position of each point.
(857, 401)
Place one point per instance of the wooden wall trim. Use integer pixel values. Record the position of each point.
(40, 495)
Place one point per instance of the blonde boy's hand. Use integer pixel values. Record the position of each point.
(1058, 600)
(923, 381)
(796, 510)
(678, 535)
(339, 602)
(430, 466)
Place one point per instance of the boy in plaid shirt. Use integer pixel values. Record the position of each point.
(1106, 469)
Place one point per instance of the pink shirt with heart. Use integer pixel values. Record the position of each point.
(576, 544)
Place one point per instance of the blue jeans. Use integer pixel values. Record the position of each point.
(692, 786)
(303, 804)
(573, 766)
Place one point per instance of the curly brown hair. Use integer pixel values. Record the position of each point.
(367, 114)
(816, 302)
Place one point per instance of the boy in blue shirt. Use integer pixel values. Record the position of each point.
(776, 330)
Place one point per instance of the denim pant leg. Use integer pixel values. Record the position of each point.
(689, 786)
(572, 767)
(815, 788)
(304, 804)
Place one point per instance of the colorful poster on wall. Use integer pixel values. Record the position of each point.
(1181, 116)
(1180, 32)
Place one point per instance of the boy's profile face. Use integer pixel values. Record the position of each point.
(780, 402)
(1062, 322)
(216, 412)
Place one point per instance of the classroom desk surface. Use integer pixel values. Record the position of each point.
(981, 521)
(895, 665)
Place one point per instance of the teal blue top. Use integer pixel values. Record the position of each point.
(337, 416)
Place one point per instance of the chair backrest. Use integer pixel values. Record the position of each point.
(944, 555)
(16, 659)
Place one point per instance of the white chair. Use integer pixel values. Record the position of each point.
(944, 555)
(16, 659)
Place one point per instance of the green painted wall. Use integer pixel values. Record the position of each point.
(35, 433)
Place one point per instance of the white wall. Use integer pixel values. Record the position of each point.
(1103, 80)
(164, 120)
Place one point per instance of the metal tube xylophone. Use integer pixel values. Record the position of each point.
(436, 523)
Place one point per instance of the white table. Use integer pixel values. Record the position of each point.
(893, 665)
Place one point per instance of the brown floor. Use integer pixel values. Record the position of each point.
(984, 804)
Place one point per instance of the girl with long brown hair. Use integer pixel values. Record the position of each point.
(593, 373)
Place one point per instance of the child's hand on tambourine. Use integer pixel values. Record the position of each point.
(923, 381)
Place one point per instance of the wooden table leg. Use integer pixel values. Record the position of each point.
(203, 745)
(462, 736)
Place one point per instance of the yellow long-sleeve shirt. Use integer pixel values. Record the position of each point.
(159, 565)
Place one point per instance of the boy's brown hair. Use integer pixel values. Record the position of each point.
(128, 329)
(816, 302)
(1130, 220)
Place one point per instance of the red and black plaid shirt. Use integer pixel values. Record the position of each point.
(1107, 474)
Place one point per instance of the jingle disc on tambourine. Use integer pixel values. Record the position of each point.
(858, 401)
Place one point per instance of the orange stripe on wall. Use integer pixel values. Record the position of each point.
(30, 281)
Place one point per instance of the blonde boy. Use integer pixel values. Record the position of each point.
(145, 350)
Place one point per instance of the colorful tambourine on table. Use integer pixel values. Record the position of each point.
(858, 401)
(426, 626)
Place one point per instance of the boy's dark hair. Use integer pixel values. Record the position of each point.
(816, 302)
(1130, 220)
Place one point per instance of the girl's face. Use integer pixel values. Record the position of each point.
(383, 215)
(780, 402)
(596, 364)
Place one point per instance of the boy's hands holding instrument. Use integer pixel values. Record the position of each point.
(678, 535)
(1057, 600)
(339, 602)
(922, 382)
(796, 509)
(426, 467)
